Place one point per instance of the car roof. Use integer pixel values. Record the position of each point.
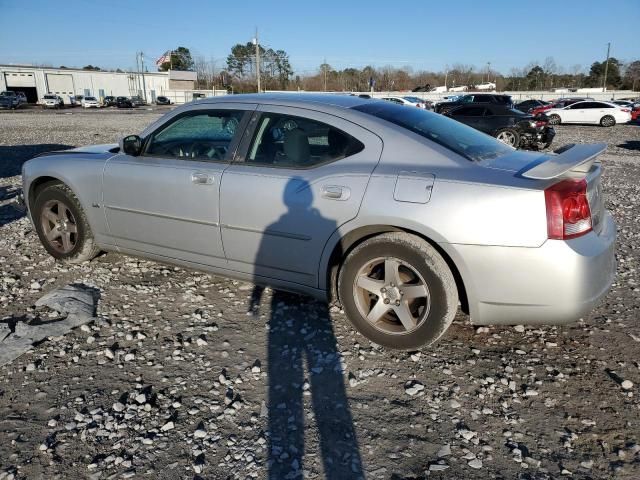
(292, 99)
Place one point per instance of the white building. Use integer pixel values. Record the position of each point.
(35, 82)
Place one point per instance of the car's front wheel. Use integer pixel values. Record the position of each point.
(509, 136)
(607, 121)
(398, 291)
(62, 225)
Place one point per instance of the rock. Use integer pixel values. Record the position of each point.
(627, 385)
(444, 451)
(200, 433)
(519, 328)
(168, 426)
(454, 403)
(118, 407)
(475, 463)
(412, 388)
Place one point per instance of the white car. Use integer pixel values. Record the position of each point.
(606, 114)
(52, 101)
(90, 102)
(409, 101)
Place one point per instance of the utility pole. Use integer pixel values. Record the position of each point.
(144, 86)
(488, 70)
(257, 42)
(138, 71)
(606, 68)
(324, 67)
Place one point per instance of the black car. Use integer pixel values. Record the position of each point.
(124, 102)
(163, 101)
(474, 98)
(528, 105)
(138, 101)
(109, 101)
(508, 125)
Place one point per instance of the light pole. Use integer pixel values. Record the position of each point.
(257, 43)
(606, 68)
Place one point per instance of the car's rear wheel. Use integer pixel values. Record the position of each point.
(607, 121)
(398, 291)
(509, 136)
(62, 225)
(554, 119)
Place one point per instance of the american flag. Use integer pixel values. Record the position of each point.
(166, 57)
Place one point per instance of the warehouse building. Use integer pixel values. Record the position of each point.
(35, 82)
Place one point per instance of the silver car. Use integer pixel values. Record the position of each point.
(401, 214)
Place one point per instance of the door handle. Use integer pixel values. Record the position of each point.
(336, 192)
(200, 178)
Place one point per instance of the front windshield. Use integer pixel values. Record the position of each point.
(413, 99)
(449, 133)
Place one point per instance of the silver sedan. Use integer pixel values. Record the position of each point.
(401, 215)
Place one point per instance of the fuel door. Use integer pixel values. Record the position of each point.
(413, 187)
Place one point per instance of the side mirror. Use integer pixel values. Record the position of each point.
(131, 145)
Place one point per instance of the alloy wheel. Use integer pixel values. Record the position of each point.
(507, 137)
(59, 226)
(391, 295)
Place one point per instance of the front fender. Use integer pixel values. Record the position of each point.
(80, 173)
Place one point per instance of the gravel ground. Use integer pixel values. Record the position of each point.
(173, 379)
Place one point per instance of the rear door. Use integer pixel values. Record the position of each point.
(296, 179)
(471, 115)
(165, 201)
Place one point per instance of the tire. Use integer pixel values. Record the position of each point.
(79, 245)
(554, 119)
(508, 136)
(417, 268)
(607, 121)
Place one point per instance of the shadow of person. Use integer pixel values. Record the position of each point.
(303, 361)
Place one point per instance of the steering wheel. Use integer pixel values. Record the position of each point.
(202, 148)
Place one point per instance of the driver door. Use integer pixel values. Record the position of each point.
(165, 201)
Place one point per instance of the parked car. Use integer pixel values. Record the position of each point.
(163, 101)
(474, 98)
(9, 100)
(138, 101)
(109, 101)
(52, 101)
(409, 101)
(604, 113)
(22, 98)
(510, 126)
(528, 105)
(78, 99)
(124, 102)
(560, 103)
(396, 212)
(90, 102)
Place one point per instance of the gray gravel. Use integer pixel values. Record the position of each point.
(179, 375)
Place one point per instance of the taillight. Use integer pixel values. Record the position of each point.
(568, 212)
(540, 123)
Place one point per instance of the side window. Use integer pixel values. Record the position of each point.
(466, 99)
(578, 106)
(296, 142)
(469, 112)
(200, 135)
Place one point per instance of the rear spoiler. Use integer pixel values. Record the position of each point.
(577, 158)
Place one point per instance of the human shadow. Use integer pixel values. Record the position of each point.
(630, 145)
(12, 157)
(303, 361)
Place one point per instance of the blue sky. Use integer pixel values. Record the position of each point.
(421, 34)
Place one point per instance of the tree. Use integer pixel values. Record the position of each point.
(239, 62)
(632, 75)
(91, 67)
(180, 59)
(596, 74)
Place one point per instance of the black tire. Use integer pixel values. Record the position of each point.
(511, 136)
(428, 263)
(607, 121)
(84, 247)
(554, 119)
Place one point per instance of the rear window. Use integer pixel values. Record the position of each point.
(449, 133)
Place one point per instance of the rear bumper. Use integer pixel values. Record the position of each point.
(557, 283)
